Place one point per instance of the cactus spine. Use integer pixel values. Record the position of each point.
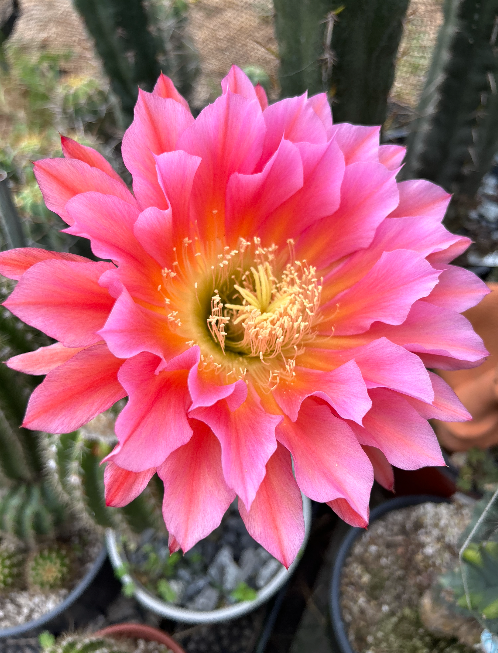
(456, 135)
(11, 565)
(345, 47)
(47, 569)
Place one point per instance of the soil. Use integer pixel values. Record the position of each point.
(23, 605)
(389, 569)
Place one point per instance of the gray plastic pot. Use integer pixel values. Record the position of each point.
(338, 625)
(185, 615)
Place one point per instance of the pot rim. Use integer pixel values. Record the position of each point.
(186, 615)
(74, 595)
(350, 538)
(132, 630)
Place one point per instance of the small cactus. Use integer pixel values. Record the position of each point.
(48, 569)
(11, 566)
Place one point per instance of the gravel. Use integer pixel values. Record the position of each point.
(389, 569)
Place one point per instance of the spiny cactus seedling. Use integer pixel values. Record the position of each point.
(11, 566)
(78, 643)
(48, 569)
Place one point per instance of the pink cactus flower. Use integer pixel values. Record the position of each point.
(268, 295)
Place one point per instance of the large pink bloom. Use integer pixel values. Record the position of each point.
(274, 296)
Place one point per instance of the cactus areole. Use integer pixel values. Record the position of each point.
(269, 293)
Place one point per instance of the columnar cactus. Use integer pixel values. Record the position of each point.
(345, 47)
(456, 135)
(11, 566)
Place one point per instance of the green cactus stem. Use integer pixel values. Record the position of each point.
(48, 569)
(456, 135)
(11, 566)
(345, 47)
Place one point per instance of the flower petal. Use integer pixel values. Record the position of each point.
(154, 421)
(275, 518)
(64, 300)
(75, 392)
(457, 289)
(156, 127)
(228, 136)
(43, 360)
(396, 428)
(321, 107)
(385, 294)
(391, 156)
(328, 461)
(446, 405)
(383, 471)
(247, 437)
(122, 486)
(73, 150)
(205, 391)
(238, 82)
(262, 97)
(62, 179)
(368, 195)
(131, 329)
(419, 198)
(176, 172)
(196, 495)
(154, 231)
(15, 262)
(343, 509)
(358, 143)
(343, 388)
(252, 198)
(166, 89)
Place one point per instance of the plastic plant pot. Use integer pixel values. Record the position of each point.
(185, 615)
(338, 625)
(140, 631)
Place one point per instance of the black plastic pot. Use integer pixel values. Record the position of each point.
(83, 599)
(338, 625)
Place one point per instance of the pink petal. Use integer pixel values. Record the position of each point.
(383, 471)
(43, 360)
(293, 119)
(62, 179)
(195, 493)
(75, 392)
(396, 428)
(320, 195)
(166, 89)
(391, 156)
(386, 294)
(247, 437)
(176, 172)
(261, 95)
(419, 198)
(154, 231)
(457, 290)
(131, 329)
(238, 82)
(343, 388)
(252, 198)
(433, 330)
(64, 300)
(446, 405)
(368, 194)
(275, 518)
(206, 392)
(122, 486)
(154, 421)
(446, 256)
(358, 144)
(15, 262)
(321, 107)
(157, 125)
(73, 150)
(343, 509)
(328, 461)
(108, 223)
(173, 544)
(228, 136)
(382, 364)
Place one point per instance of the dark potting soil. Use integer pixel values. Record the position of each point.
(223, 569)
(389, 569)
